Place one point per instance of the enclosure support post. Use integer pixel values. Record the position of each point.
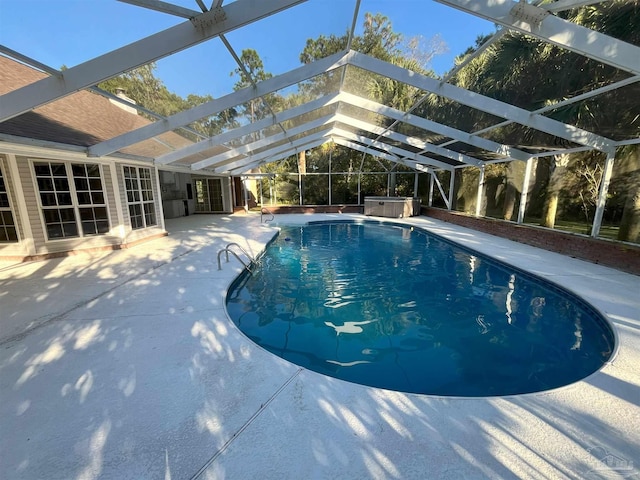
(261, 196)
(271, 189)
(431, 175)
(451, 185)
(360, 199)
(445, 198)
(275, 192)
(246, 194)
(329, 177)
(415, 185)
(159, 204)
(232, 184)
(602, 194)
(300, 187)
(525, 190)
(480, 192)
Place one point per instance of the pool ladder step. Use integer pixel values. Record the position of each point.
(228, 251)
(265, 211)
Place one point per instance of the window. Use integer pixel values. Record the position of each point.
(209, 195)
(8, 232)
(64, 201)
(91, 204)
(139, 186)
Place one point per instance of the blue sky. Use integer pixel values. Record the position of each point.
(69, 32)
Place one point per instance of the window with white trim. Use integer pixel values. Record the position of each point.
(139, 187)
(8, 233)
(72, 199)
(91, 204)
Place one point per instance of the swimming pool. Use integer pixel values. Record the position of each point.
(396, 307)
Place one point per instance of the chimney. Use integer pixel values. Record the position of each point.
(121, 93)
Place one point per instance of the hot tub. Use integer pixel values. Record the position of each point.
(394, 207)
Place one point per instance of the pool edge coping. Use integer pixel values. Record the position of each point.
(574, 295)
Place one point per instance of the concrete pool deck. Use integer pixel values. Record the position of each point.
(124, 365)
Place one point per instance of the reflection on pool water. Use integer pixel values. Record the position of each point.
(396, 307)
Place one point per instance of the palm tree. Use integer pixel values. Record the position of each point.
(510, 71)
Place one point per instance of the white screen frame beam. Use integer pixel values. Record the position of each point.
(279, 152)
(279, 156)
(429, 125)
(481, 102)
(413, 141)
(220, 104)
(142, 52)
(247, 148)
(402, 153)
(377, 153)
(556, 31)
(248, 129)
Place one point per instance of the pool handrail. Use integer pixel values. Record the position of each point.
(228, 250)
(266, 211)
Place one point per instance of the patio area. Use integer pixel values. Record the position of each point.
(124, 365)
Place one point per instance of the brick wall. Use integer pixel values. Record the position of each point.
(316, 209)
(618, 255)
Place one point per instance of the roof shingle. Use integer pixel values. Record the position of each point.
(80, 119)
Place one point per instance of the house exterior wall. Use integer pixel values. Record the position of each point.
(27, 209)
(24, 183)
(174, 193)
(17, 248)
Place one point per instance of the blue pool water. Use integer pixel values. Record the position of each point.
(399, 308)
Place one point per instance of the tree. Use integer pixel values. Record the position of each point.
(253, 72)
(556, 184)
(145, 88)
(253, 69)
(630, 169)
(514, 171)
(587, 175)
(215, 124)
(141, 85)
(378, 40)
(529, 73)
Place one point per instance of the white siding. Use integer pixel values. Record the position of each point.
(30, 198)
(110, 197)
(44, 246)
(25, 188)
(12, 249)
